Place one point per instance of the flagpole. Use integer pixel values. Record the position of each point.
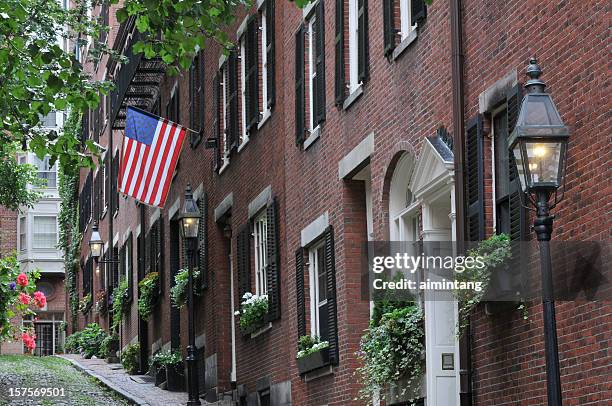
(158, 117)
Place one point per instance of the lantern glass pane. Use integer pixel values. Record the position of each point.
(96, 249)
(539, 110)
(190, 227)
(543, 159)
(518, 158)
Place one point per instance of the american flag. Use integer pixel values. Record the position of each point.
(151, 148)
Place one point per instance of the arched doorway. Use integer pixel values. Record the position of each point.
(421, 207)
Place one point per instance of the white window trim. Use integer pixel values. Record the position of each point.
(244, 135)
(260, 227)
(312, 73)
(315, 304)
(23, 231)
(353, 46)
(224, 113)
(405, 18)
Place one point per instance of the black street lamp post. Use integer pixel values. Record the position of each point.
(539, 143)
(190, 220)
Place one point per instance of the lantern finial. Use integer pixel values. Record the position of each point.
(534, 84)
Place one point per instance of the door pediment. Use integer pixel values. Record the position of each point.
(434, 168)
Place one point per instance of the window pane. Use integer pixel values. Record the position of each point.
(321, 275)
(502, 177)
(45, 232)
(22, 233)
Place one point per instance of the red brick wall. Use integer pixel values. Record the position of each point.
(404, 101)
(8, 230)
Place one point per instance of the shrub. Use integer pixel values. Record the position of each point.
(308, 345)
(252, 311)
(149, 289)
(109, 345)
(179, 291)
(119, 303)
(73, 343)
(393, 349)
(129, 358)
(90, 340)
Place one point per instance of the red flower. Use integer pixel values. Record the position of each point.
(29, 341)
(25, 299)
(40, 299)
(22, 280)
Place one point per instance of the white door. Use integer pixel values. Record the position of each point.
(440, 313)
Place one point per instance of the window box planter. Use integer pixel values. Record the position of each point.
(247, 331)
(175, 377)
(313, 361)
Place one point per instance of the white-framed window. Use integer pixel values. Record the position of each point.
(50, 120)
(260, 232)
(264, 60)
(127, 249)
(225, 112)
(312, 72)
(23, 226)
(46, 171)
(44, 232)
(244, 136)
(318, 291)
(406, 26)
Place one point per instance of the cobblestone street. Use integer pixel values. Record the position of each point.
(19, 372)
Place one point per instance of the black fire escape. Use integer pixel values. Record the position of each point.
(137, 82)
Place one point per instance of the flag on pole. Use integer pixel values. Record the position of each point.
(150, 151)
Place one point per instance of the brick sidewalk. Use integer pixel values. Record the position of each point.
(128, 386)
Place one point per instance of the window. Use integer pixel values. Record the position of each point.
(224, 114)
(401, 20)
(310, 75)
(260, 226)
(267, 57)
(22, 234)
(46, 171)
(318, 292)
(196, 99)
(244, 136)
(49, 120)
(45, 232)
(500, 145)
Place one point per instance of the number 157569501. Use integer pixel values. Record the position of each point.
(36, 392)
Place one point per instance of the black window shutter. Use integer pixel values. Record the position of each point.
(270, 62)
(159, 252)
(475, 179)
(232, 122)
(217, 121)
(192, 102)
(332, 318)
(115, 267)
(518, 214)
(340, 86)
(273, 262)
(299, 86)
(389, 25)
(129, 254)
(203, 241)
(320, 64)
(362, 40)
(300, 295)
(244, 261)
(418, 11)
(251, 75)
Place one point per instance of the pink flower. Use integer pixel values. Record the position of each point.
(22, 280)
(40, 299)
(29, 341)
(25, 299)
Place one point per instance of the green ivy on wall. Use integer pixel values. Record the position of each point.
(69, 234)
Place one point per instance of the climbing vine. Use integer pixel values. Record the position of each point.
(69, 234)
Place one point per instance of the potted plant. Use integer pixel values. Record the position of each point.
(393, 353)
(172, 363)
(101, 305)
(179, 291)
(312, 353)
(149, 293)
(157, 367)
(252, 311)
(85, 303)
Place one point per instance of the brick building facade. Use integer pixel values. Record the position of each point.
(334, 132)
